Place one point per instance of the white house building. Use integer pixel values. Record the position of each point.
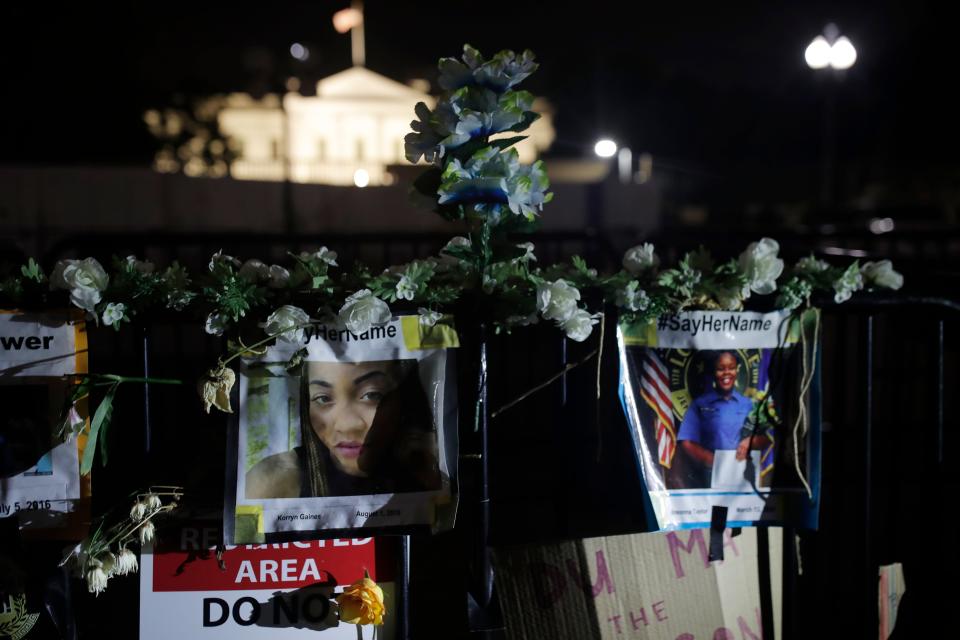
(349, 133)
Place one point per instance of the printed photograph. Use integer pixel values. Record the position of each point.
(715, 419)
(26, 429)
(338, 429)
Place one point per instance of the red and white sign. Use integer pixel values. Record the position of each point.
(272, 591)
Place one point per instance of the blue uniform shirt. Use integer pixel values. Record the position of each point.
(713, 422)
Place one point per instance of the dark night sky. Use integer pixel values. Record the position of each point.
(708, 87)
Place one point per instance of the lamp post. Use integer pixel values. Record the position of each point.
(830, 53)
(607, 148)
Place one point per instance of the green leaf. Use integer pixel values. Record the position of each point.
(506, 143)
(529, 117)
(428, 182)
(32, 271)
(101, 420)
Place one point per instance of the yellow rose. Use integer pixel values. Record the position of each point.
(362, 603)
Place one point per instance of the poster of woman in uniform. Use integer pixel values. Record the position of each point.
(712, 408)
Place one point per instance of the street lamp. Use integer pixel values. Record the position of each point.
(830, 50)
(607, 148)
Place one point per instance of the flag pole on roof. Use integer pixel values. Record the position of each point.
(351, 20)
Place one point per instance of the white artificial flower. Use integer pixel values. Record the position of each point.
(640, 258)
(811, 265)
(557, 300)
(141, 266)
(152, 501)
(456, 242)
(406, 288)
(84, 279)
(632, 297)
(126, 562)
(579, 325)
(219, 257)
(287, 323)
(760, 264)
(881, 274)
(846, 284)
(323, 255)
(147, 532)
(96, 580)
(279, 277)
(254, 270)
(138, 511)
(362, 310)
(527, 253)
(113, 313)
(428, 318)
(215, 324)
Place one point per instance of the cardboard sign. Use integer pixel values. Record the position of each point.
(724, 414)
(655, 586)
(272, 591)
(39, 473)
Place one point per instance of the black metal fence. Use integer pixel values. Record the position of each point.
(543, 469)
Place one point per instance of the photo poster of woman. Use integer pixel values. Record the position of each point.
(40, 450)
(339, 431)
(724, 410)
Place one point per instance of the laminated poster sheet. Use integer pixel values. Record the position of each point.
(39, 473)
(360, 433)
(724, 410)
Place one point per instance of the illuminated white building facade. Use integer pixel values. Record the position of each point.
(349, 133)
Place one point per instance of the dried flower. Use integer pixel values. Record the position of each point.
(126, 562)
(96, 579)
(146, 531)
(215, 388)
(153, 501)
(138, 511)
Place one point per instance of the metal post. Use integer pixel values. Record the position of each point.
(485, 564)
(403, 610)
(147, 426)
(870, 615)
(940, 356)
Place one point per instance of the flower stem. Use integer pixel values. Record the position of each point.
(271, 336)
